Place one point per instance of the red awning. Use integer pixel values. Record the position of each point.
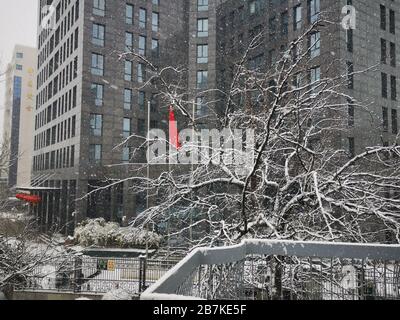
(29, 198)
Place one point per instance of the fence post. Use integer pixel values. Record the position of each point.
(142, 273)
(77, 274)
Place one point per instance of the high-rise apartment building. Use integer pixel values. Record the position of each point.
(367, 53)
(90, 98)
(18, 115)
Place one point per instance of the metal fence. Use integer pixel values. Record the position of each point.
(96, 275)
(284, 270)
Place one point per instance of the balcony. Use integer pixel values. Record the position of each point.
(284, 270)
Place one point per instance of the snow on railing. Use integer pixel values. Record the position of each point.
(307, 269)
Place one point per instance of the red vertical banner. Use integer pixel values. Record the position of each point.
(173, 130)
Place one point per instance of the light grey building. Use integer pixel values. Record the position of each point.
(19, 107)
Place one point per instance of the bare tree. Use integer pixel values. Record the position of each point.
(22, 253)
(4, 164)
(300, 185)
(3, 75)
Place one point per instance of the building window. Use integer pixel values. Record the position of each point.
(393, 88)
(297, 80)
(315, 77)
(97, 92)
(202, 53)
(98, 34)
(297, 18)
(384, 84)
(349, 40)
(383, 17)
(155, 51)
(129, 14)
(128, 70)
(96, 125)
(385, 119)
(285, 23)
(126, 153)
(156, 2)
(350, 106)
(153, 124)
(141, 75)
(73, 127)
(126, 131)
(272, 27)
(395, 129)
(315, 41)
(202, 5)
(128, 99)
(128, 42)
(99, 7)
(95, 151)
(97, 64)
(142, 45)
(200, 106)
(141, 126)
(142, 18)
(19, 67)
(202, 79)
(256, 62)
(352, 151)
(392, 22)
(383, 51)
(350, 75)
(393, 54)
(141, 202)
(153, 103)
(72, 164)
(19, 55)
(255, 6)
(202, 27)
(314, 10)
(155, 21)
(142, 100)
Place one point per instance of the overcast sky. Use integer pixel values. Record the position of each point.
(18, 20)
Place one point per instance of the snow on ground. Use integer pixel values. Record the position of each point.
(114, 280)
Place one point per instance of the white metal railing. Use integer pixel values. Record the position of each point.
(269, 269)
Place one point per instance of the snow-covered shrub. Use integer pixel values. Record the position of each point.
(117, 294)
(99, 233)
(134, 237)
(95, 232)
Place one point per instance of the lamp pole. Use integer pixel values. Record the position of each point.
(194, 143)
(148, 173)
